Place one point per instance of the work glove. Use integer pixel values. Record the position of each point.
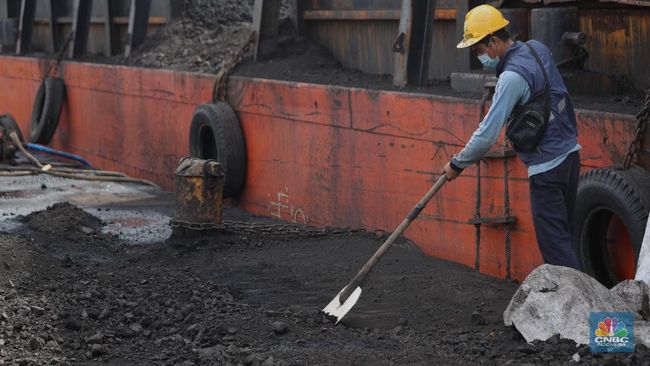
(451, 171)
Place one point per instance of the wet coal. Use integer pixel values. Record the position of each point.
(232, 301)
(64, 220)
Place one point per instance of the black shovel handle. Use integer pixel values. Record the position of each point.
(356, 281)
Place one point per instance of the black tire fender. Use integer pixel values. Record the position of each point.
(216, 134)
(46, 110)
(602, 193)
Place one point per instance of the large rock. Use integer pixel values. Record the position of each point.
(558, 300)
(643, 264)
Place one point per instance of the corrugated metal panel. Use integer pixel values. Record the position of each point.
(617, 43)
(360, 33)
(352, 4)
(159, 13)
(364, 46)
(499, 3)
(443, 51)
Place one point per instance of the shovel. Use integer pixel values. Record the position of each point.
(347, 298)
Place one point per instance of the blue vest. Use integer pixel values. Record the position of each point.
(561, 134)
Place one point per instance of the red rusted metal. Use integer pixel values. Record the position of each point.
(620, 250)
(324, 155)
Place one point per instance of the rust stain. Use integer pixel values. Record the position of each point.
(342, 166)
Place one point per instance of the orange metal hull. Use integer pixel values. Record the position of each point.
(325, 155)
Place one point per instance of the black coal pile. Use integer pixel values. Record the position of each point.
(208, 34)
(64, 221)
(250, 298)
(223, 12)
(70, 234)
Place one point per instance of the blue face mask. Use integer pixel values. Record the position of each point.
(487, 61)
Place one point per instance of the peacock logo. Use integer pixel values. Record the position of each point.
(611, 327)
(611, 331)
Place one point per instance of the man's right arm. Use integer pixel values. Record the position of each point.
(510, 89)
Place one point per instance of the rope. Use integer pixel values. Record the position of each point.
(477, 208)
(54, 68)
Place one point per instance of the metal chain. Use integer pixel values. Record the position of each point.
(280, 228)
(194, 226)
(643, 118)
(220, 88)
(54, 68)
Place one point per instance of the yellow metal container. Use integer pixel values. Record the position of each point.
(199, 192)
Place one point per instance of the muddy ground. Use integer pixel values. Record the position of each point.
(71, 294)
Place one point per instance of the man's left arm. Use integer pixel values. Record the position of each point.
(510, 89)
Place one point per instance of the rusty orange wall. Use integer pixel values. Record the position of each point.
(133, 120)
(327, 155)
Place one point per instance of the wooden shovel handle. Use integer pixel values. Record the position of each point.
(356, 281)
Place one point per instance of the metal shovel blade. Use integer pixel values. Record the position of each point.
(338, 310)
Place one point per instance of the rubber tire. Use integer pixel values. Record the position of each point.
(605, 191)
(46, 110)
(8, 122)
(217, 134)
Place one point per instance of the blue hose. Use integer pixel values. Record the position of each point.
(63, 154)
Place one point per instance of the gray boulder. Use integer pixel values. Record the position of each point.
(643, 264)
(558, 300)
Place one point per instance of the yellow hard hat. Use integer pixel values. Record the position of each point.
(480, 22)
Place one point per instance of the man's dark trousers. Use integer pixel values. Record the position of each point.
(553, 197)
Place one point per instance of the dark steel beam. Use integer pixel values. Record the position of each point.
(463, 58)
(26, 26)
(13, 8)
(421, 41)
(298, 15)
(57, 10)
(462, 55)
(138, 24)
(80, 27)
(414, 41)
(266, 22)
(176, 9)
(110, 9)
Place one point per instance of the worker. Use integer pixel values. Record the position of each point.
(554, 163)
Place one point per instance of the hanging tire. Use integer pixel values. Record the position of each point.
(610, 217)
(47, 110)
(216, 134)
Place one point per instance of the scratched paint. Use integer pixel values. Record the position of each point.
(322, 155)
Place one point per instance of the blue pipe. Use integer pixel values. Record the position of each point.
(63, 154)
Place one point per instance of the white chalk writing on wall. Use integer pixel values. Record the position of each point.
(282, 207)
